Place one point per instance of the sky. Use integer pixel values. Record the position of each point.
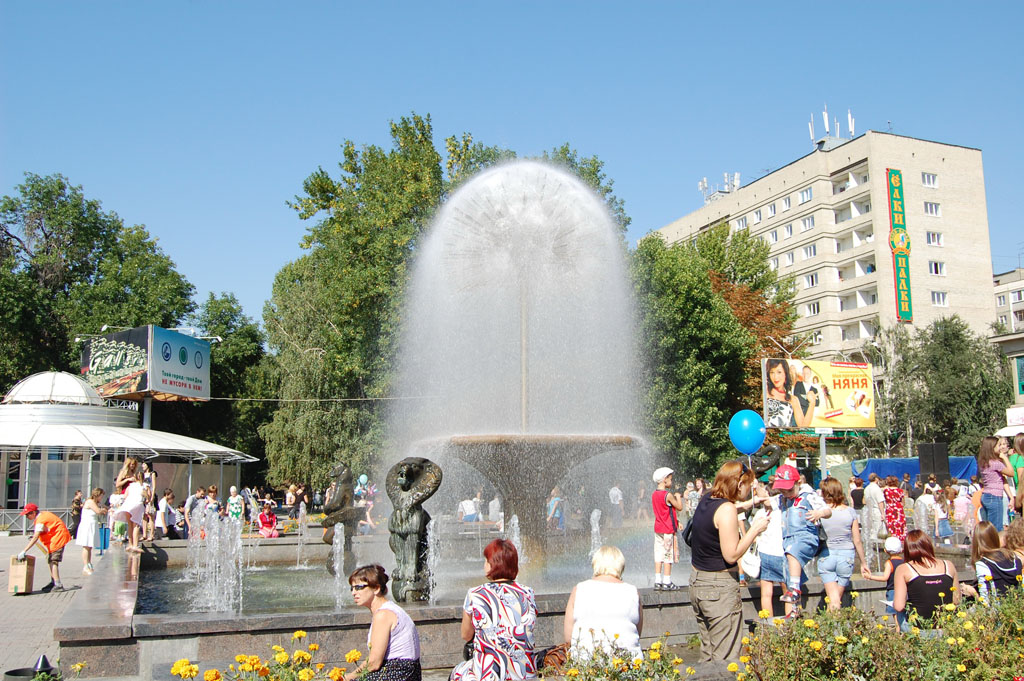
(201, 120)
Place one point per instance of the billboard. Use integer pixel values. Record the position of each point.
(148, 361)
(804, 394)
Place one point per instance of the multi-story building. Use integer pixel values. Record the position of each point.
(829, 218)
(1009, 297)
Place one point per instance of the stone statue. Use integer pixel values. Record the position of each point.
(410, 482)
(341, 510)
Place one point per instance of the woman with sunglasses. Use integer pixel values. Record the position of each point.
(393, 642)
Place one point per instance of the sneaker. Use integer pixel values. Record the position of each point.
(793, 614)
(47, 589)
(58, 587)
(670, 587)
(87, 570)
(658, 586)
(791, 596)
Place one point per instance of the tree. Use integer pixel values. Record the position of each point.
(33, 338)
(591, 170)
(743, 259)
(694, 351)
(890, 353)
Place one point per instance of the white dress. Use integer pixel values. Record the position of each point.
(602, 611)
(88, 529)
(133, 505)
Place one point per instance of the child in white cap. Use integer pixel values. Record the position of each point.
(894, 547)
(666, 524)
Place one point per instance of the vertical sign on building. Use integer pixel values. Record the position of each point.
(899, 242)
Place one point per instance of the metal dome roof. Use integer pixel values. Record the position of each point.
(53, 387)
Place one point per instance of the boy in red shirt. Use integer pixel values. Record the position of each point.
(666, 524)
(53, 535)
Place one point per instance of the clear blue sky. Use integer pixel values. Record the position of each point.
(200, 120)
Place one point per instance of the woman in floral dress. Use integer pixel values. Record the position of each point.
(498, 617)
(895, 516)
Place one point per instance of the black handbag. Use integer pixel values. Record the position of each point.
(688, 531)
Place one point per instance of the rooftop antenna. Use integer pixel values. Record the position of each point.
(824, 117)
(735, 181)
(849, 122)
(810, 128)
(839, 132)
(890, 125)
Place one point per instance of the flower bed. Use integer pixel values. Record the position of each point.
(279, 665)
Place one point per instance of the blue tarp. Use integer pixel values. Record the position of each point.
(960, 467)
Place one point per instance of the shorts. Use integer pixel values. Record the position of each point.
(664, 548)
(55, 557)
(803, 547)
(836, 565)
(773, 568)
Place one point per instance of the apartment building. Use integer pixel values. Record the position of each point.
(875, 230)
(1009, 297)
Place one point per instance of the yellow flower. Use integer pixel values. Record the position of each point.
(298, 634)
(336, 674)
(247, 667)
(211, 675)
(1020, 578)
(950, 607)
(740, 676)
(961, 667)
(968, 625)
(842, 640)
(353, 656)
(638, 662)
(744, 659)
(854, 594)
(241, 658)
(733, 667)
(656, 645)
(981, 627)
(306, 674)
(655, 655)
(885, 618)
(319, 666)
(281, 657)
(745, 641)
(189, 671)
(572, 672)
(810, 624)
(864, 639)
(618, 661)
(177, 666)
(277, 649)
(942, 594)
(301, 656)
(961, 640)
(988, 578)
(763, 614)
(676, 661)
(815, 645)
(879, 626)
(690, 671)
(827, 599)
(253, 660)
(78, 667)
(961, 614)
(951, 641)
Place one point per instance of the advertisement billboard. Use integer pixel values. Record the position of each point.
(804, 394)
(148, 361)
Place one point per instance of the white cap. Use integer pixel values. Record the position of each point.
(662, 473)
(893, 545)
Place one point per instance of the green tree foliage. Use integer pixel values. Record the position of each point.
(68, 267)
(943, 384)
(694, 352)
(591, 170)
(743, 259)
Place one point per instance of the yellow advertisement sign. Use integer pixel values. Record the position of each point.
(804, 393)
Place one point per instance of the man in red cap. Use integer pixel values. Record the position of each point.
(801, 510)
(53, 535)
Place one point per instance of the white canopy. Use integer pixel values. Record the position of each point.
(137, 442)
(1010, 431)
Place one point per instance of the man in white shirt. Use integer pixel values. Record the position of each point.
(874, 503)
(615, 497)
(467, 511)
(494, 512)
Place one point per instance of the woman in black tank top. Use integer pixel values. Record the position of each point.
(716, 546)
(923, 582)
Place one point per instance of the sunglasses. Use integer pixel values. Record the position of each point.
(359, 587)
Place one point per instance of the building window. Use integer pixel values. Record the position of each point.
(1001, 300)
(786, 203)
(789, 258)
(1019, 315)
(937, 268)
(806, 194)
(940, 299)
(807, 223)
(813, 309)
(810, 251)
(929, 179)
(757, 216)
(774, 263)
(1017, 296)
(741, 223)
(771, 210)
(933, 238)
(931, 208)
(773, 236)
(1002, 319)
(811, 280)
(787, 231)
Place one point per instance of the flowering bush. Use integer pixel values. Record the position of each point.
(654, 664)
(972, 642)
(280, 665)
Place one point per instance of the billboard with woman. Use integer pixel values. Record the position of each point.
(804, 394)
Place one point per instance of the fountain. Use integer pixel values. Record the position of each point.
(520, 337)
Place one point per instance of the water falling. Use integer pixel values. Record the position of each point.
(595, 531)
(514, 537)
(219, 562)
(300, 534)
(433, 556)
(338, 552)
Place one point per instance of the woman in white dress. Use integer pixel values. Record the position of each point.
(604, 612)
(88, 535)
(131, 511)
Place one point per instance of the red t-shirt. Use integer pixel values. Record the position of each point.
(665, 521)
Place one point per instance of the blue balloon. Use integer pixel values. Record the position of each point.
(746, 430)
(363, 479)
